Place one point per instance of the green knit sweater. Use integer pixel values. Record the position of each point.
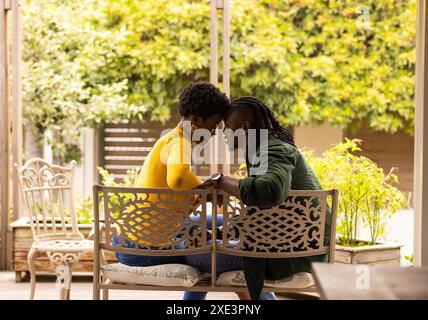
(286, 170)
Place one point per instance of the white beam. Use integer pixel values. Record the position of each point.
(226, 76)
(421, 139)
(7, 4)
(17, 132)
(213, 74)
(218, 144)
(4, 134)
(213, 44)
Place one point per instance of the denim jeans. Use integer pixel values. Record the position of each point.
(201, 261)
(225, 263)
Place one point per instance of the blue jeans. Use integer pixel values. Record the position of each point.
(201, 261)
(225, 263)
(146, 261)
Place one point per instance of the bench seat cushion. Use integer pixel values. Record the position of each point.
(165, 275)
(302, 280)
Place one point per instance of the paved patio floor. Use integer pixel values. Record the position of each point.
(82, 290)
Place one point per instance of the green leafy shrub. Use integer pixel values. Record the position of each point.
(95, 61)
(84, 210)
(367, 194)
(84, 206)
(109, 180)
(409, 260)
(60, 93)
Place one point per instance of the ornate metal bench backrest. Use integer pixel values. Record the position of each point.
(293, 229)
(47, 192)
(148, 221)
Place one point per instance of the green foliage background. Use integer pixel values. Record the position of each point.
(90, 62)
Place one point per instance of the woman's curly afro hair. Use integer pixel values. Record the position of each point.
(202, 99)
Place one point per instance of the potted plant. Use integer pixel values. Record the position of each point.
(368, 199)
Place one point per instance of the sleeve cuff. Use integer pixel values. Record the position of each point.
(245, 191)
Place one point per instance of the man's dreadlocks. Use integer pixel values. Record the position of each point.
(264, 117)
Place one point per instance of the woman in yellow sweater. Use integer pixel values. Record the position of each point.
(168, 164)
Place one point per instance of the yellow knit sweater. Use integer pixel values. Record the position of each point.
(168, 165)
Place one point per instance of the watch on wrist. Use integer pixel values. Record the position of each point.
(215, 178)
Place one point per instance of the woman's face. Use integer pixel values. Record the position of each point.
(209, 124)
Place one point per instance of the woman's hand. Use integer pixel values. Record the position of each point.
(206, 184)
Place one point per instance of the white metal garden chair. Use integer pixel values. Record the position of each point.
(47, 192)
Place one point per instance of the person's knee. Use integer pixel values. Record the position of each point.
(202, 262)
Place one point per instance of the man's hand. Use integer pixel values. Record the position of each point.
(230, 185)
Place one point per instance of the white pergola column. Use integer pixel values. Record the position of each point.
(219, 143)
(17, 129)
(421, 139)
(13, 7)
(4, 131)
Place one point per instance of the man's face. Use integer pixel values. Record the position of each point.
(235, 128)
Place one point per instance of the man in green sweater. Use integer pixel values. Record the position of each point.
(269, 182)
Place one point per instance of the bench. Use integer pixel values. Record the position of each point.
(143, 216)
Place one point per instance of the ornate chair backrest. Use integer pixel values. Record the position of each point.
(295, 228)
(148, 221)
(47, 192)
